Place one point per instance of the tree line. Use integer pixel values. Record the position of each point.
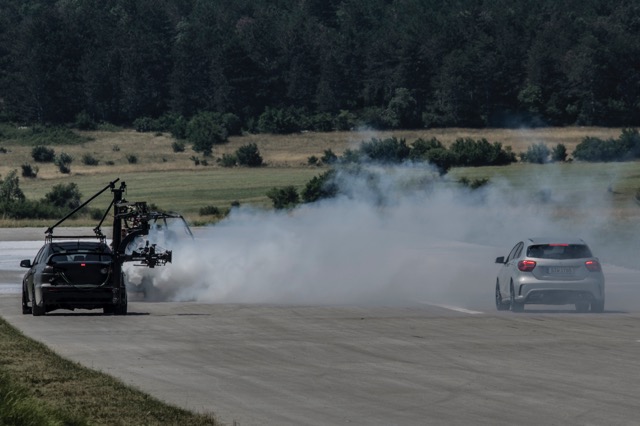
(322, 64)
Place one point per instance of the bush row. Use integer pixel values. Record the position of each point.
(60, 200)
(464, 152)
(626, 147)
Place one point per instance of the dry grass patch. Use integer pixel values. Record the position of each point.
(155, 153)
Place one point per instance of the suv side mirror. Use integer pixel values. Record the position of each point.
(500, 259)
(25, 263)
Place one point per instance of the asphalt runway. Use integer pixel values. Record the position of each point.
(419, 364)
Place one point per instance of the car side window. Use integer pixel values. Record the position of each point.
(519, 251)
(513, 253)
(40, 255)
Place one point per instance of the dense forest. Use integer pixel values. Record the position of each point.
(382, 63)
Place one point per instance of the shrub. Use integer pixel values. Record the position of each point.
(209, 211)
(108, 127)
(42, 154)
(279, 121)
(249, 155)
(10, 191)
(3, 150)
(420, 148)
(320, 187)
(179, 128)
(322, 122)
(284, 198)
(329, 157)
(390, 150)
(442, 158)
(626, 147)
(29, 171)
(196, 160)
(377, 118)
(313, 160)
(232, 124)
(536, 153)
(132, 159)
(472, 153)
(64, 195)
(94, 213)
(145, 124)
(89, 160)
(559, 153)
(344, 121)
(228, 160)
(85, 122)
(204, 130)
(473, 184)
(178, 146)
(115, 148)
(402, 111)
(63, 161)
(350, 156)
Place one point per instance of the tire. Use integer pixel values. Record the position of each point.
(582, 307)
(597, 306)
(500, 304)
(26, 309)
(36, 310)
(108, 309)
(121, 307)
(515, 306)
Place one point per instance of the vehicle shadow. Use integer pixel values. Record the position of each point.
(93, 314)
(568, 312)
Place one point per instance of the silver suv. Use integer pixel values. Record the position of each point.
(549, 271)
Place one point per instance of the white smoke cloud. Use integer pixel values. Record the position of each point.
(400, 235)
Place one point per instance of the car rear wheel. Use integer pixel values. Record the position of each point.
(500, 304)
(597, 306)
(121, 307)
(515, 306)
(36, 310)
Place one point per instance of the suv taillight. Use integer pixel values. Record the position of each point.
(593, 265)
(526, 265)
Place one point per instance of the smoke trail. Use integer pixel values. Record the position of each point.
(395, 235)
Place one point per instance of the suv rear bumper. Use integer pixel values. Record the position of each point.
(64, 297)
(560, 293)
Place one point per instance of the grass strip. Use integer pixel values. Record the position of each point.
(38, 387)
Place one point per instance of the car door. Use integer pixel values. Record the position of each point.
(31, 275)
(508, 268)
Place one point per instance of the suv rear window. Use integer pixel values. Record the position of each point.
(559, 251)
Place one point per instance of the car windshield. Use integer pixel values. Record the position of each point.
(79, 247)
(558, 251)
